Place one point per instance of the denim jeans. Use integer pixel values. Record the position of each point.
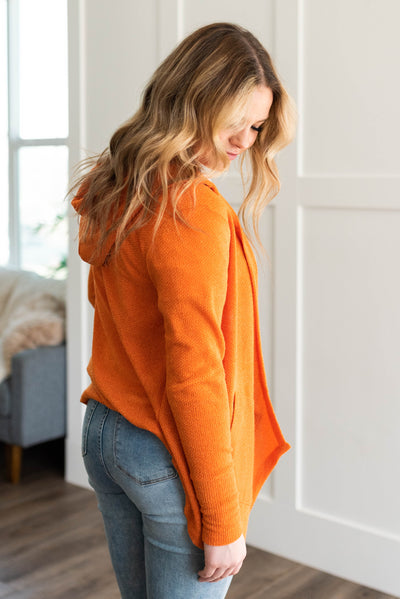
(141, 500)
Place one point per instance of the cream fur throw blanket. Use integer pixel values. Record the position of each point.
(32, 313)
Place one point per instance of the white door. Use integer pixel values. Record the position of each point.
(334, 501)
(329, 295)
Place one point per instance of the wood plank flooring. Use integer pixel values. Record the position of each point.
(52, 546)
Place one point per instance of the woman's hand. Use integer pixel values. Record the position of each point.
(222, 561)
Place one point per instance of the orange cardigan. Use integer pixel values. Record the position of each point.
(176, 351)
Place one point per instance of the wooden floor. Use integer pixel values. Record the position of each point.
(52, 546)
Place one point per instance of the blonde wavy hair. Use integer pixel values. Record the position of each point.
(154, 157)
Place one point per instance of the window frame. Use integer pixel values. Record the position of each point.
(15, 142)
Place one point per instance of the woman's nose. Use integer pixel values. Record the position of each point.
(242, 139)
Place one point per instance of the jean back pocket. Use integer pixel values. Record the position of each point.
(139, 454)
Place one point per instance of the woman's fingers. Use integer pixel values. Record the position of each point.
(222, 561)
(212, 575)
(219, 574)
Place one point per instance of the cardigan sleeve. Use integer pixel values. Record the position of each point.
(189, 268)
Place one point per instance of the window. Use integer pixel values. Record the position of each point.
(34, 134)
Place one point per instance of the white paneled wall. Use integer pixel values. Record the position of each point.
(349, 66)
(336, 504)
(256, 15)
(329, 289)
(350, 413)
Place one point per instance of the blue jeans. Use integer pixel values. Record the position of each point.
(141, 500)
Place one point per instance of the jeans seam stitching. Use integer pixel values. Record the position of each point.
(100, 443)
(86, 432)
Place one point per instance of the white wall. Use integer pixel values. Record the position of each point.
(334, 500)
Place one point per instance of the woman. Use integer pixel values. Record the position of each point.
(179, 433)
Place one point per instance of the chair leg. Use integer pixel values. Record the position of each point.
(13, 463)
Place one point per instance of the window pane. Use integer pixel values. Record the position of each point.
(42, 185)
(4, 250)
(43, 69)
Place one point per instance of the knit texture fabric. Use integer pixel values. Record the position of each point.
(177, 351)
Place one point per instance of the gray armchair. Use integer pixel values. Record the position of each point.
(32, 402)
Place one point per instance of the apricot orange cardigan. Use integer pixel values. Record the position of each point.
(176, 351)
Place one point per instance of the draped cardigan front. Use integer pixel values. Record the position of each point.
(177, 351)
